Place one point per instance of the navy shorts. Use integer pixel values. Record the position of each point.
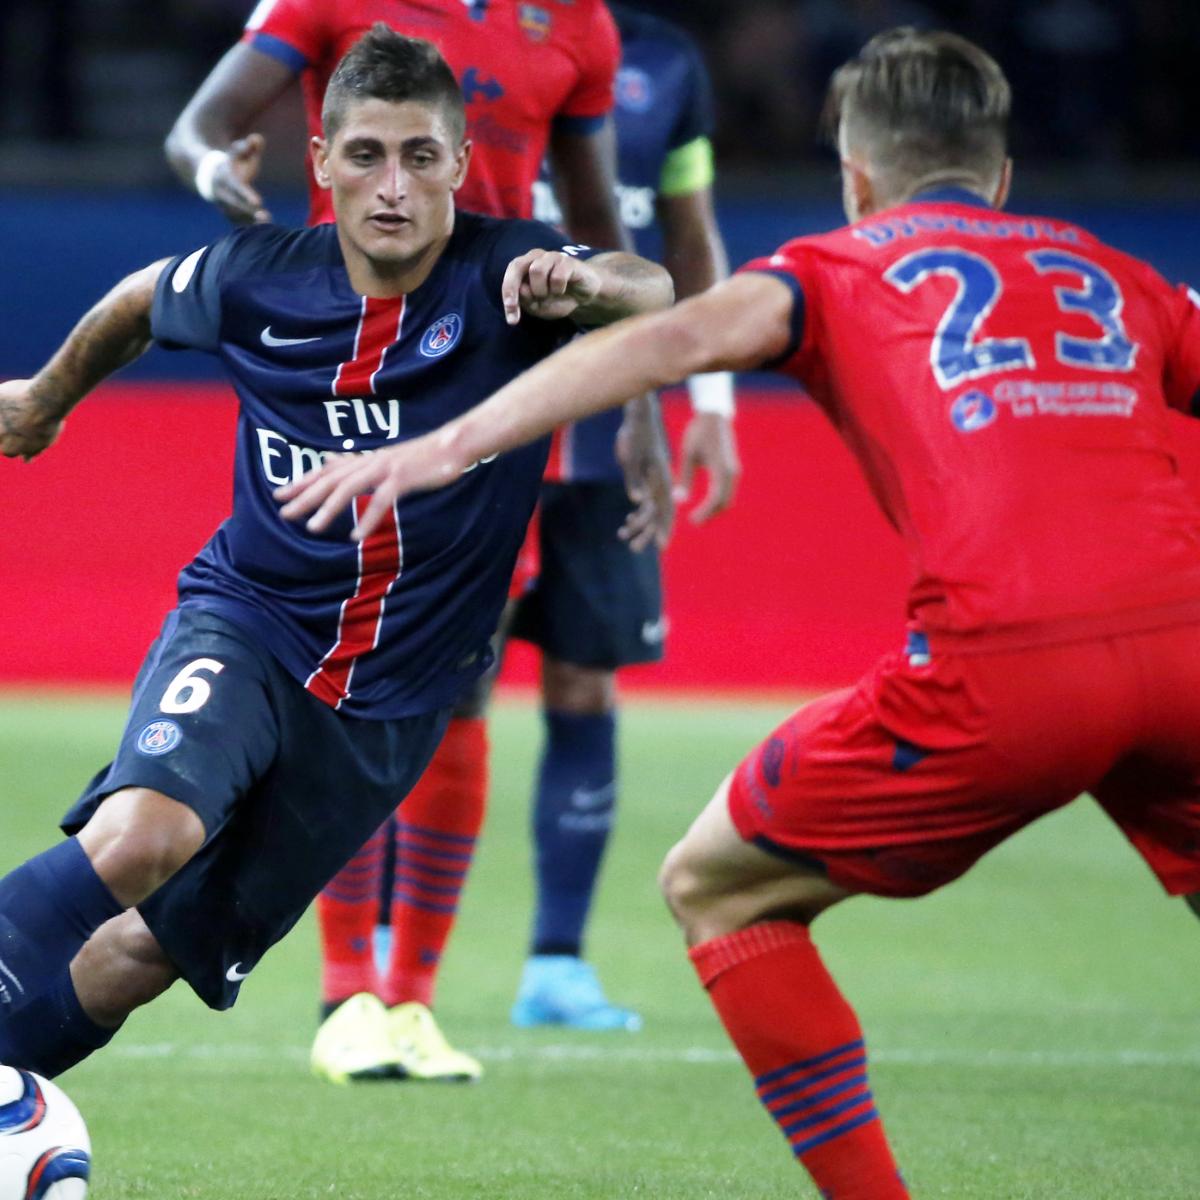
(595, 603)
(288, 791)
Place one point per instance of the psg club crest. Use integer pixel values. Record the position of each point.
(634, 90)
(442, 335)
(159, 737)
(972, 410)
(535, 21)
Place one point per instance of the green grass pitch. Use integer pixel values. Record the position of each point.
(1035, 1028)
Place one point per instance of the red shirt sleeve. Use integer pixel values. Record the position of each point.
(1181, 377)
(787, 265)
(292, 31)
(599, 57)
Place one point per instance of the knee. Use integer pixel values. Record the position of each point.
(584, 691)
(683, 889)
(120, 968)
(138, 839)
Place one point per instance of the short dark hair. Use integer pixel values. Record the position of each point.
(386, 65)
(926, 101)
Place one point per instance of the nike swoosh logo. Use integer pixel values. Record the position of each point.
(269, 339)
(654, 631)
(585, 798)
(236, 976)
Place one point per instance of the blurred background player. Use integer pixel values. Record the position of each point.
(535, 79)
(596, 604)
(1013, 420)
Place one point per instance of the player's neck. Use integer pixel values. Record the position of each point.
(947, 179)
(385, 279)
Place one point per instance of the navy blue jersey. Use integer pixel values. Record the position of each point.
(399, 624)
(663, 102)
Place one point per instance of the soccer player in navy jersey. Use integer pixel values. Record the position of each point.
(1004, 383)
(596, 604)
(536, 79)
(302, 682)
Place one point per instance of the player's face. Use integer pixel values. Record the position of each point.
(393, 169)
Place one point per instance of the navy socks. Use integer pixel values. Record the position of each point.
(52, 1033)
(49, 906)
(572, 818)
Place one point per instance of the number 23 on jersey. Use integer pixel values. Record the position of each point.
(959, 354)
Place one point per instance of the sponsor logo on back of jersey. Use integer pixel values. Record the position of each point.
(972, 410)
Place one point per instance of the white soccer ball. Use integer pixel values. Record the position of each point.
(45, 1152)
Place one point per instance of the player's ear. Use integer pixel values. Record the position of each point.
(858, 190)
(462, 160)
(1002, 187)
(318, 150)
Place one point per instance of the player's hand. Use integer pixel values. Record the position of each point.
(28, 423)
(642, 453)
(547, 284)
(709, 445)
(232, 182)
(419, 465)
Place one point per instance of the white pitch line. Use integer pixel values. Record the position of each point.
(698, 1055)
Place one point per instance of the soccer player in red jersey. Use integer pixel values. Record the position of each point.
(535, 77)
(1004, 383)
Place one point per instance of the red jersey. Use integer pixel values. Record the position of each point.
(1003, 382)
(521, 66)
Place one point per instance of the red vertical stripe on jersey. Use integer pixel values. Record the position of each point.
(558, 464)
(380, 557)
(380, 560)
(378, 328)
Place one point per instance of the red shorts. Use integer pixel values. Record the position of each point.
(896, 786)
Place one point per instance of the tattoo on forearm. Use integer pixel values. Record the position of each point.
(113, 333)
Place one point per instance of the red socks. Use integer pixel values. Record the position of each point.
(803, 1044)
(436, 828)
(346, 914)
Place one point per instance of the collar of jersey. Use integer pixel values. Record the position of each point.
(950, 195)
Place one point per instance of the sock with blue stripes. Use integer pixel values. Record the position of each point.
(572, 819)
(51, 1033)
(436, 828)
(803, 1044)
(346, 913)
(49, 906)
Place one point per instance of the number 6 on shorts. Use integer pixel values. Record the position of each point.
(189, 690)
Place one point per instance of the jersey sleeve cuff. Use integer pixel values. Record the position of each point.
(580, 126)
(277, 48)
(798, 308)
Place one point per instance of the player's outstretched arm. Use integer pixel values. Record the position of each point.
(114, 332)
(210, 146)
(553, 285)
(738, 325)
